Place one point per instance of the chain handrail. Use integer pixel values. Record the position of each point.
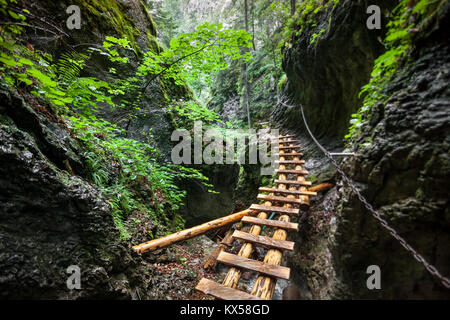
(429, 267)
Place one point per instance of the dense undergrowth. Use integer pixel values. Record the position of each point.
(124, 169)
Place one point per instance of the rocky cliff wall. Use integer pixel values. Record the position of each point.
(401, 165)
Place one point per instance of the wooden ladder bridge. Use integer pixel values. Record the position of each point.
(285, 200)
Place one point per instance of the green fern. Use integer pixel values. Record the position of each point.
(69, 66)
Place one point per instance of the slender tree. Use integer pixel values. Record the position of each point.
(245, 70)
(293, 7)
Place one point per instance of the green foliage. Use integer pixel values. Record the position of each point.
(120, 167)
(305, 17)
(196, 56)
(398, 43)
(192, 111)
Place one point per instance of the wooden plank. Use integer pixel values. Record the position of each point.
(291, 192)
(254, 265)
(264, 287)
(264, 241)
(290, 161)
(303, 172)
(221, 292)
(286, 136)
(278, 199)
(288, 147)
(289, 211)
(271, 223)
(294, 182)
(290, 154)
(190, 233)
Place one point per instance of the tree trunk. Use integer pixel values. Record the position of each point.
(190, 233)
(292, 7)
(246, 93)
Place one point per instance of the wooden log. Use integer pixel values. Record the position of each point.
(191, 232)
(212, 259)
(264, 241)
(271, 223)
(301, 172)
(234, 274)
(278, 199)
(264, 286)
(323, 187)
(295, 182)
(291, 154)
(289, 147)
(286, 136)
(254, 265)
(221, 292)
(259, 207)
(290, 161)
(291, 192)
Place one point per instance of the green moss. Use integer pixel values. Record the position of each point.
(306, 17)
(113, 12)
(282, 82)
(398, 42)
(153, 44)
(152, 23)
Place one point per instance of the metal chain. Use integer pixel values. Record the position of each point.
(430, 268)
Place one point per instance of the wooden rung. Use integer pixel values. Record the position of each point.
(298, 183)
(254, 265)
(293, 192)
(290, 161)
(278, 199)
(221, 292)
(259, 207)
(290, 154)
(300, 172)
(291, 141)
(271, 223)
(288, 147)
(286, 136)
(264, 241)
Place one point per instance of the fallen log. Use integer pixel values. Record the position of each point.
(226, 242)
(191, 232)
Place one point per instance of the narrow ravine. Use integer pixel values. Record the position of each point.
(115, 122)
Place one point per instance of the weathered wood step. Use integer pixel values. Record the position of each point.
(264, 241)
(254, 265)
(294, 182)
(290, 161)
(290, 141)
(301, 172)
(292, 192)
(260, 207)
(286, 136)
(221, 292)
(271, 223)
(278, 199)
(288, 147)
(290, 154)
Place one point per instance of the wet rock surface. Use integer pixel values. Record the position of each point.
(401, 167)
(50, 220)
(325, 76)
